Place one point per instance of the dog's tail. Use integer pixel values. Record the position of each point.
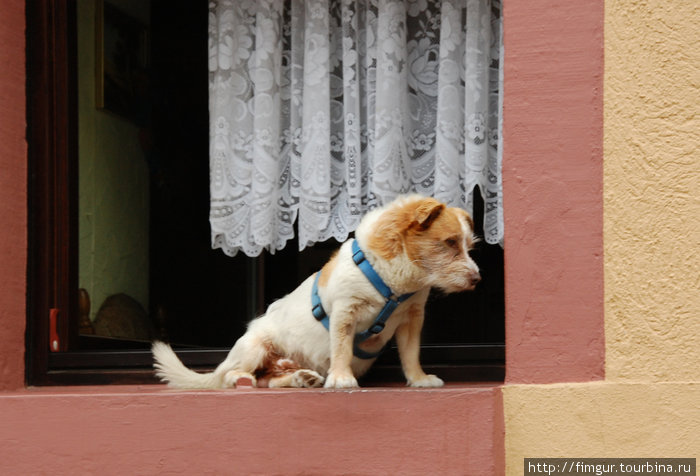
(170, 369)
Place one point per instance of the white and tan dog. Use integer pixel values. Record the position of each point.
(413, 244)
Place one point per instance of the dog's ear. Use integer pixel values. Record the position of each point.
(386, 239)
(426, 212)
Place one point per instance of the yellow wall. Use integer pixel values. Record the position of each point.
(113, 183)
(601, 419)
(649, 403)
(652, 190)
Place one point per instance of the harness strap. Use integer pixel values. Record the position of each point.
(316, 306)
(358, 256)
(392, 302)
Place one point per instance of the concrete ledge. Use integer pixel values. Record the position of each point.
(151, 429)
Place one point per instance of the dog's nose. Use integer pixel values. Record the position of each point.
(474, 279)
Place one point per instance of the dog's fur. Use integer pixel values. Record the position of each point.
(414, 244)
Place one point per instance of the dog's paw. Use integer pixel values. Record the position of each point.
(233, 377)
(426, 381)
(335, 380)
(305, 378)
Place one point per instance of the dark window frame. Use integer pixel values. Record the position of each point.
(52, 266)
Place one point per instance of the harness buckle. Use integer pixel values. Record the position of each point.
(358, 256)
(318, 311)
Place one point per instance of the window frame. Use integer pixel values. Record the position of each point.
(52, 270)
(52, 182)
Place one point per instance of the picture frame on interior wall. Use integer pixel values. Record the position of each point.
(121, 62)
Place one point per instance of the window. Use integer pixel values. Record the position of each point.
(196, 297)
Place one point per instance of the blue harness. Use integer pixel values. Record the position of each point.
(392, 302)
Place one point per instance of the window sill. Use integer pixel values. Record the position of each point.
(457, 429)
(161, 389)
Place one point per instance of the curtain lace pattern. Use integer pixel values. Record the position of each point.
(321, 110)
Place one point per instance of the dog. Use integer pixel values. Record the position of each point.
(310, 337)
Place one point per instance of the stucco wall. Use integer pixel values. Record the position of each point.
(648, 404)
(601, 420)
(634, 412)
(652, 190)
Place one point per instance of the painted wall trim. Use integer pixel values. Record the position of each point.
(13, 195)
(553, 198)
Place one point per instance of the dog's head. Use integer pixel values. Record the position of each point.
(433, 237)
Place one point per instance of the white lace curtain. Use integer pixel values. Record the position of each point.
(323, 109)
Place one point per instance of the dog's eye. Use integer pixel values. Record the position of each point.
(451, 242)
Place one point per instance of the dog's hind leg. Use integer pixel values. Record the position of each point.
(302, 378)
(278, 371)
(255, 358)
(246, 356)
(233, 378)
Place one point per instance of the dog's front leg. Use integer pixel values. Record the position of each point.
(342, 333)
(408, 342)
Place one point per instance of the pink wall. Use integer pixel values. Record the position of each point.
(553, 178)
(13, 196)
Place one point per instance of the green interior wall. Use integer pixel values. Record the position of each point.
(114, 182)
